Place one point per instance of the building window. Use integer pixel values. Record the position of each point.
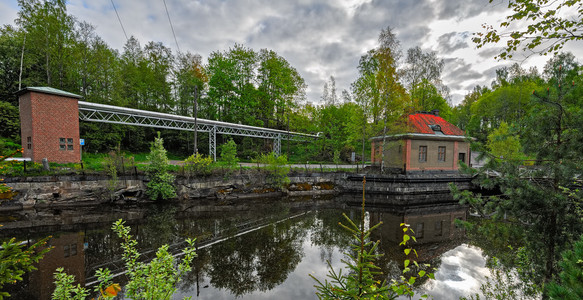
(70, 250)
(28, 142)
(422, 153)
(419, 231)
(462, 157)
(438, 228)
(441, 153)
(65, 143)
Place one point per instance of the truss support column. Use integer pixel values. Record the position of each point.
(213, 143)
(277, 145)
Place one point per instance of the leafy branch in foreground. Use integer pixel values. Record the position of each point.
(361, 282)
(147, 281)
(569, 285)
(16, 259)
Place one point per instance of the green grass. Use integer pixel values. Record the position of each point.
(93, 163)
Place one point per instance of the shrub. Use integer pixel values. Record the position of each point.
(111, 170)
(277, 167)
(7, 147)
(336, 158)
(161, 184)
(9, 118)
(229, 153)
(154, 280)
(197, 164)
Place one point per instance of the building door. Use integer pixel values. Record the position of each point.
(462, 157)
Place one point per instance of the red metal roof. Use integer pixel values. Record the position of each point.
(420, 123)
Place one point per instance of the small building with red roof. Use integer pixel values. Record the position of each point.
(430, 143)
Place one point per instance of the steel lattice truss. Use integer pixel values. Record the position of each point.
(127, 116)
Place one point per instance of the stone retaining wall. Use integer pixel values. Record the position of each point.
(77, 190)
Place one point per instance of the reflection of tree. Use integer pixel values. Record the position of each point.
(326, 233)
(259, 260)
(159, 229)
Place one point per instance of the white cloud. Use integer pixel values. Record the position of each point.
(319, 38)
(8, 12)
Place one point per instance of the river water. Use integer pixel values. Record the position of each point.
(250, 249)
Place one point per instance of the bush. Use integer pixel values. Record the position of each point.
(336, 158)
(197, 164)
(111, 170)
(161, 184)
(154, 280)
(8, 146)
(277, 167)
(229, 153)
(10, 120)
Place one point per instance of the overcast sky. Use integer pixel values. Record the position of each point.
(320, 38)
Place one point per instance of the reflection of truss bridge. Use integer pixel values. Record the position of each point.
(117, 267)
(128, 116)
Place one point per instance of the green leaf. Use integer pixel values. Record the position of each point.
(412, 280)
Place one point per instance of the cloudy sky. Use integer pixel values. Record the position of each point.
(320, 38)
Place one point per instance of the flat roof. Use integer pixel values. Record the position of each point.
(48, 90)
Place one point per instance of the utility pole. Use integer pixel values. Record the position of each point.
(21, 62)
(195, 119)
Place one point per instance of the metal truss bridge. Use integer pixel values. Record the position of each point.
(95, 112)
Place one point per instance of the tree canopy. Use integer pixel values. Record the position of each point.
(546, 26)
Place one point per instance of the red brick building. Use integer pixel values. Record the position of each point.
(430, 144)
(49, 120)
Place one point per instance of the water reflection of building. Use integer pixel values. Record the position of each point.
(67, 253)
(434, 227)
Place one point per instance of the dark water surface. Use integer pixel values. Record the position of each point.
(248, 249)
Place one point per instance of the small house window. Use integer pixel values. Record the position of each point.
(422, 153)
(29, 142)
(438, 228)
(441, 153)
(462, 157)
(70, 250)
(419, 231)
(65, 143)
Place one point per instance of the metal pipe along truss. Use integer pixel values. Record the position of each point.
(95, 112)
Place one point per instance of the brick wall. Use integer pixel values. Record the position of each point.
(46, 120)
(68, 253)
